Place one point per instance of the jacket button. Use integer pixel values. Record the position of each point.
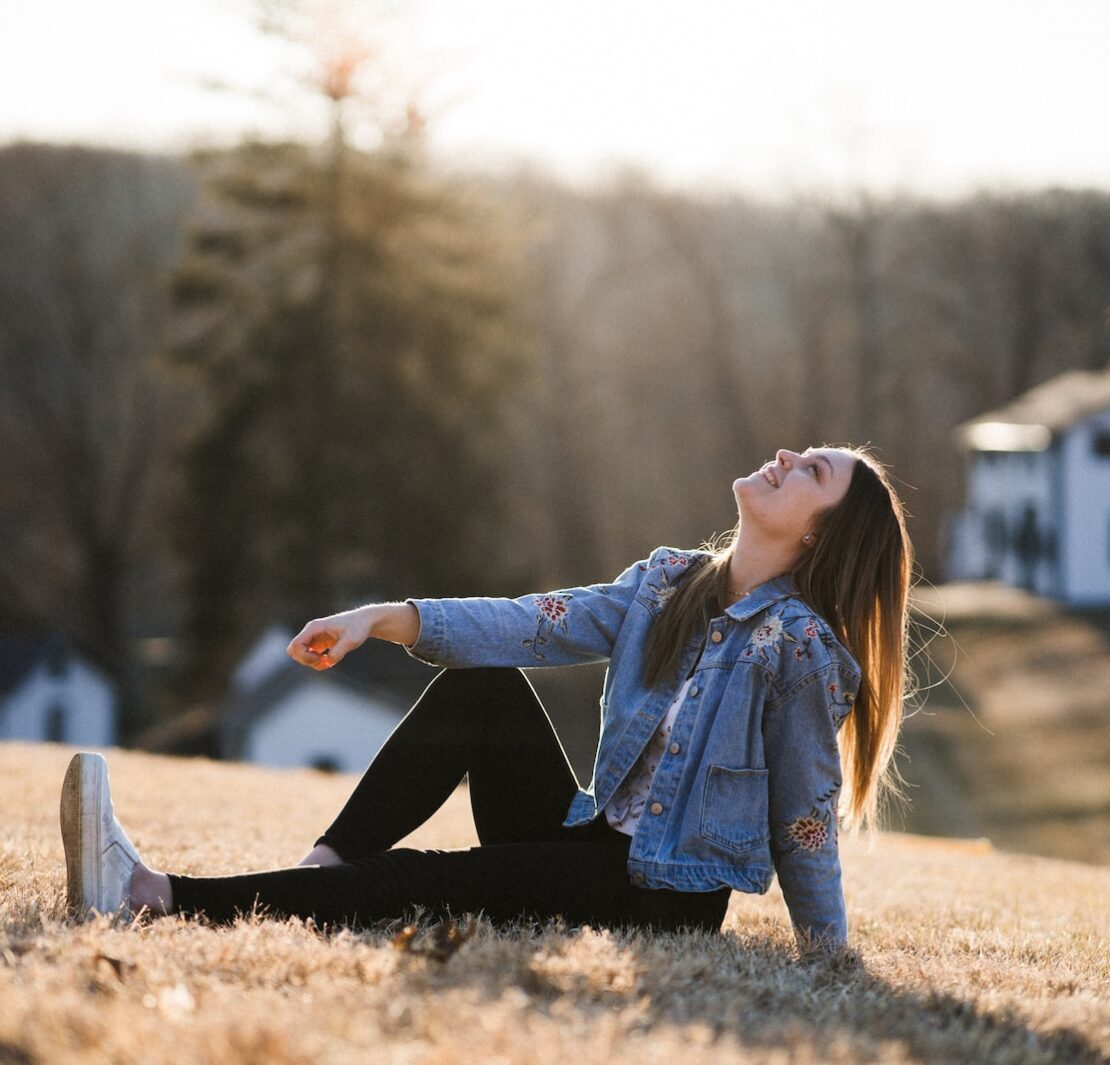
(716, 637)
(694, 689)
(637, 878)
(675, 748)
(656, 807)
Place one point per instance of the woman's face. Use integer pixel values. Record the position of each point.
(785, 497)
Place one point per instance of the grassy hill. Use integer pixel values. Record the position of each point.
(965, 953)
(1013, 742)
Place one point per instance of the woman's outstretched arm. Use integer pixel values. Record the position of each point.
(325, 641)
(559, 628)
(566, 627)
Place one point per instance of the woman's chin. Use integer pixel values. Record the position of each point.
(744, 485)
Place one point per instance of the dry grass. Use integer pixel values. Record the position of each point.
(966, 954)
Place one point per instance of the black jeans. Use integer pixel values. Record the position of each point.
(490, 725)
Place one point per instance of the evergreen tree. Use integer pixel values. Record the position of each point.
(346, 321)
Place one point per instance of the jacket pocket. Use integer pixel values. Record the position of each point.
(734, 810)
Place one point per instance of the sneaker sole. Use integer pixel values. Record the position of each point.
(80, 817)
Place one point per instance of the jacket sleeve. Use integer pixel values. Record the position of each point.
(570, 626)
(800, 726)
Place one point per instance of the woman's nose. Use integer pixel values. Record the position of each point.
(786, 457)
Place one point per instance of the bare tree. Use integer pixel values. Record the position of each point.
(84, 423)
(344, 314)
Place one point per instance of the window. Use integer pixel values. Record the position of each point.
(1050, 545)
(994, 531)
(56, 658)
(56, 724)
(1028, 545)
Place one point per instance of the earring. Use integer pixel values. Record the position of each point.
(808, 538)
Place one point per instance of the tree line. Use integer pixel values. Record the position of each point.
(270, 382)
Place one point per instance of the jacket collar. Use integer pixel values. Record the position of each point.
(763, 596)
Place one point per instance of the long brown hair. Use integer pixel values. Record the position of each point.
(857, 577)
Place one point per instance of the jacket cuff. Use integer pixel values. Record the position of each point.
(814, 944)
(429, 646)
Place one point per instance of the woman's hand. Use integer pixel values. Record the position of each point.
(324, 642)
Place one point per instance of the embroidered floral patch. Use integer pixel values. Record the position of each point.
(810, 831)
(662, 593)
(554, 608)
(552, 612)
(768, 636)
(842, 703)
(770, 631)
(667, 560)
(810, 632)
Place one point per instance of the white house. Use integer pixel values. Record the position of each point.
(1037, 511)
(282, 714)
(50, 691)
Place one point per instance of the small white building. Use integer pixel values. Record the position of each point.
(283, 714)
(1037, 511)
(52, 692)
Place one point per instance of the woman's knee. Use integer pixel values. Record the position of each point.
(482, 677)
(487, 693)
(486, 686)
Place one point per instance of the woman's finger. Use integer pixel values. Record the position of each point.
(342, 647)
(309, 643)
(322, 641)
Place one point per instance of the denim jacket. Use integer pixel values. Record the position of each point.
(749, 785)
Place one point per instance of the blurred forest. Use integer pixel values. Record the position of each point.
(272, 382)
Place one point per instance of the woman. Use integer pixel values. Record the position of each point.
(732, 675)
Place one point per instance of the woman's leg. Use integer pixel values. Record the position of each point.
(528, 864)
(583, 880)
(487, 724)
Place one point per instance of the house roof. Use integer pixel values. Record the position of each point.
(1042, 412)
(21, 652)
(377, 670)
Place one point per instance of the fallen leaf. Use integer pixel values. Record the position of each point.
(439, 943)
(403, 939)
(119, 967)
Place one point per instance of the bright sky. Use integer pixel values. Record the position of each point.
(770, 98)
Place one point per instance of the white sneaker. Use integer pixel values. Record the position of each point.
(99, 857)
